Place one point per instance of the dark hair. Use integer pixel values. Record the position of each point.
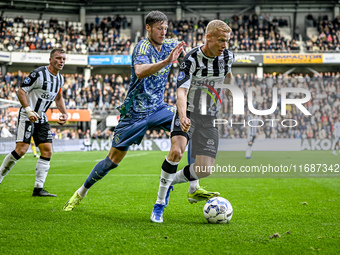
(154, 17)
(57, 50)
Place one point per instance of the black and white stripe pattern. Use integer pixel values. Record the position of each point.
(42, 88)
(199, 74)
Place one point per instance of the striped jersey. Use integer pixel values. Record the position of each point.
(336, 129)
(146, 95)
(204, 77)
(42, 88)
(253, 121)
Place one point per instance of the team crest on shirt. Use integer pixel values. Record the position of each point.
(33, 74)
(177, 123)
(27, 80)
(181, 76)
(183, 65)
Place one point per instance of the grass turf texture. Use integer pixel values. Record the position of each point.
(114, 217)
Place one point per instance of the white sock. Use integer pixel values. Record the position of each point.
(165, 182)
(248, 151)
(41, 172)
(7, 165)
(192, 172)
(179, 178)
(193, 186)
(82, 191)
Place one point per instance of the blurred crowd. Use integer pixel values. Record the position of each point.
(328, 36)
(39, 35)
(105, 92)
(251, 33)
(324, 106)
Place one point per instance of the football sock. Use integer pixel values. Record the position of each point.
(10, 160)
(193, 186)
(248, 151)
(179, 177)
(82, 191)
(168, 173)
(99, 171)
(42, 167)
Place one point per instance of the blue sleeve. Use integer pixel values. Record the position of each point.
(142, 53)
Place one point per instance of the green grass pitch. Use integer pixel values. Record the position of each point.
(114, 217)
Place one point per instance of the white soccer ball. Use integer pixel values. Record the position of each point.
(218, 210)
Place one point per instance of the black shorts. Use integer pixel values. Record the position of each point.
(202, 132)
(41, 132)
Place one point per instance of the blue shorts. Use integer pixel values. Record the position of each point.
(132, 130)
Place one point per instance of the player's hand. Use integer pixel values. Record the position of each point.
(185, 124)
(62, 119)
(32, 115)
(176, 52)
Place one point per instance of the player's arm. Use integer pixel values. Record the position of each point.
(228, 77)
(145, 70)
(59, 101)
(22, 96)
(182, 94)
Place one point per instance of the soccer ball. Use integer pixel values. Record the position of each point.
(218, 210)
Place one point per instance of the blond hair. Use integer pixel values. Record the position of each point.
(215, 25)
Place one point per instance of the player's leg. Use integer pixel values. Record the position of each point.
(204, 150)
(249, 147)
(127, 132)
(191, 160)
(102, 168)
(41, 171)
(336, 146)
(43, 139)
(168, 171)
(34, 149)
(166, 118)
(163, 117)
(24, 133)
(12, 158)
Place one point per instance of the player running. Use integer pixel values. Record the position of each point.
(251, 133)
(336, 133)
(144, 105)
(198, 103)
(36, 94)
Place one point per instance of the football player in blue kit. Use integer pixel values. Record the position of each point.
(144, 106)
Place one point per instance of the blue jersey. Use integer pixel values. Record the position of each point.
(146, 95)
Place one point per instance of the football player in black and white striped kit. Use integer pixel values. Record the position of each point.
(200, 82)
(36, 94)
(252, 122)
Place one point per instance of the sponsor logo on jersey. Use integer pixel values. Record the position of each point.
(177, 122)
(210, 142)
(27, 80)
(47, 95)
(181, 76)
(142, 58)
